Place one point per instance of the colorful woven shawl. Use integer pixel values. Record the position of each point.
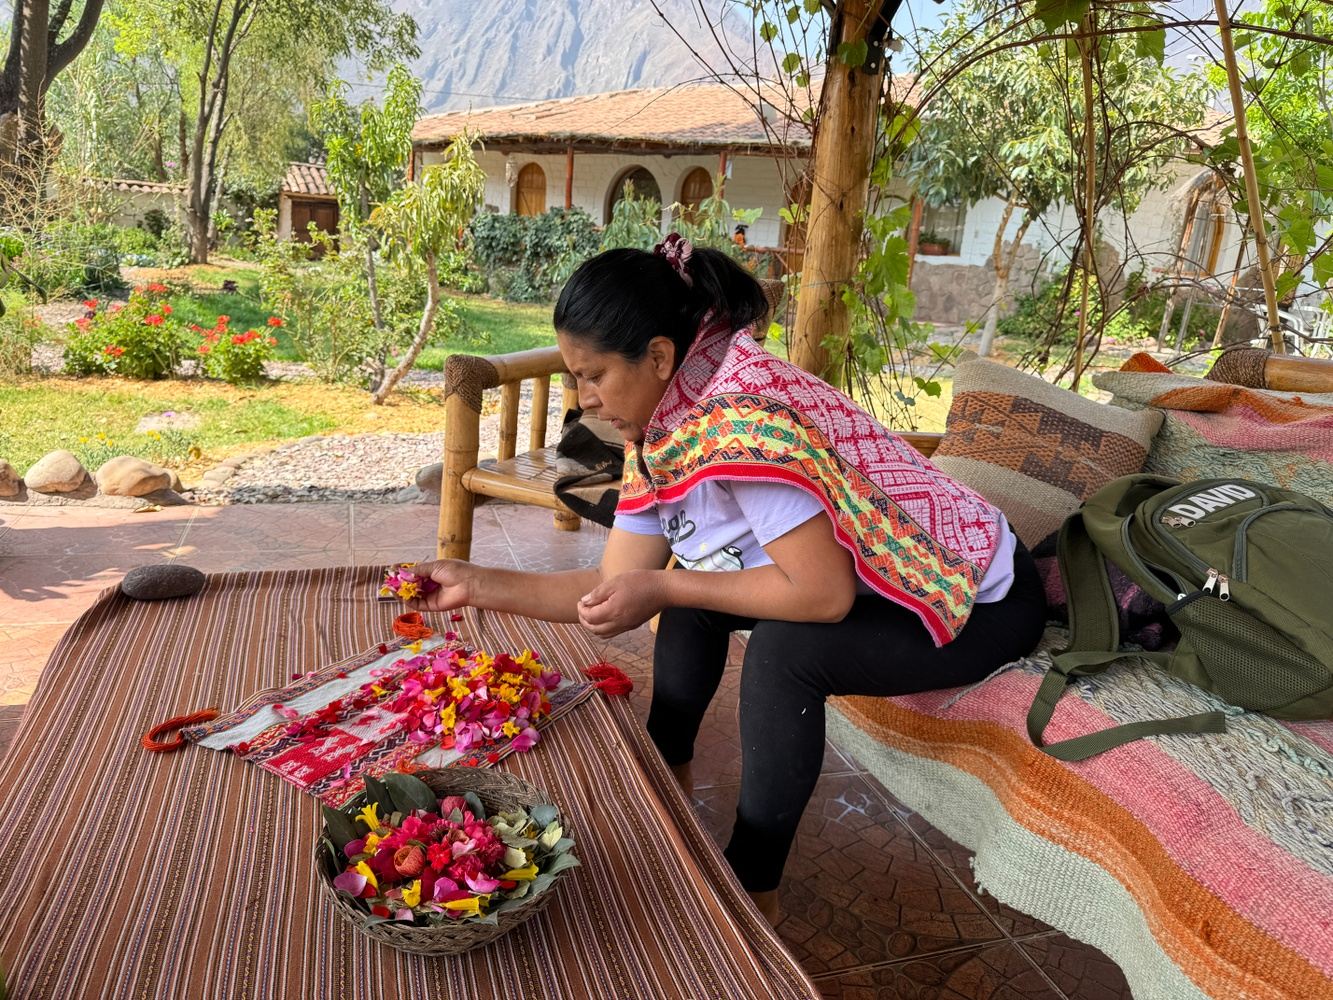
(734, 411)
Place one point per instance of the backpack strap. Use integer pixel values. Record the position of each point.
(1094, 625)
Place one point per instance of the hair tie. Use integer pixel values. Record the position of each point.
(677, 250)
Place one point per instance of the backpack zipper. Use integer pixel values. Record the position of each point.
(1145, 570)
(1213, 578)
(1240, 559)
(1218, 581)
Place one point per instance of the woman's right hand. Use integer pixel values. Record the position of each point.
(457, 580)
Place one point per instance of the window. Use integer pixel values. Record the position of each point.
(941, 230)
(643, 182)
(697, 186)
(530, 191)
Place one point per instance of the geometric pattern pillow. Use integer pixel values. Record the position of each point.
(1036, 450)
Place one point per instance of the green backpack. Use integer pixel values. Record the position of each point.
(1246, 573)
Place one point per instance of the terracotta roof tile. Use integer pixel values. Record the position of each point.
(709, 115)
(130, 185)
(308, 179)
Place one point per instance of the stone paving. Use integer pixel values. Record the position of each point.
(877, 903)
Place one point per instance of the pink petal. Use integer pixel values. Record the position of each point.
(405, 915)
(482, 883)
(350, 882)
(447, 889)
(526, 739)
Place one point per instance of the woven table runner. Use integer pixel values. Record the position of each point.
(130, 874)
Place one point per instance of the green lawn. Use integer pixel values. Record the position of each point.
(491, 326)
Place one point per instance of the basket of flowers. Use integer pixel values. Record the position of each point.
(443, 861)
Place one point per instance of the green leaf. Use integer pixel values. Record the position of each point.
(340, 828)
(802, 79)
(543, 881)
(562, 845)
(474, 803)
(1287, 284)
(410, 792)
(768, 31)
(376, 792)
(559, 863)
(1323, 268)
(853, 53)
(813, 6)
(793, 14)
(1054, 14)
(544, 815)
(791, 62)
(1151, 45)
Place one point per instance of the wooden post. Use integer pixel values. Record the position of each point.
(454, 540)
(1256, 213)
(1231, 290)
(569, 177)
(914, 236)
(1089, 194)
(721, 173)
(509, 393)
(840, 177)
(541, 399)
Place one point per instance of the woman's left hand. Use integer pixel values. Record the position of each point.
(622, 603)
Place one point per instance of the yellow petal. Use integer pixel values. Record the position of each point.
(470, 905)
(364, 869)
(520, 874)
(412, 893)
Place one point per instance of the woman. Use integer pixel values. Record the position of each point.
(859, 567)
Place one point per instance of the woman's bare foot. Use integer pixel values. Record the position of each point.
(684, 777)
(767, 904)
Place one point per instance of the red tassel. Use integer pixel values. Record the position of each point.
(411, 626)
(150, 739)
(609, 679)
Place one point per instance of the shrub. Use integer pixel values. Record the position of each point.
(20, 332)
(526, 259)
(139, 339)
(235, 357)
(74, 258)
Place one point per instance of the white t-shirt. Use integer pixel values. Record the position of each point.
(725, 524)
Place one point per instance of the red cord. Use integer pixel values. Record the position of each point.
(411, 626)
(609, 678)
(150, 739)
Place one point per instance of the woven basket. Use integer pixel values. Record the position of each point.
(498, 791)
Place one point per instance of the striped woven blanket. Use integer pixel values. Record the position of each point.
(189, 875)
(1203, 866)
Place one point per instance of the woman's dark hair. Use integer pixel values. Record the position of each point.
(621, 299)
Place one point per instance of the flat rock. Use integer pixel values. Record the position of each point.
(58, 472)
(127, 476)
(10, 483)
(175, 485)
(157, 583)
(429, 477)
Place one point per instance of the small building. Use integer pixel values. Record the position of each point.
(672, 143)
(130, 201)
(306, 197)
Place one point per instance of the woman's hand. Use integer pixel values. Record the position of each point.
(457, 580)
(623, 602)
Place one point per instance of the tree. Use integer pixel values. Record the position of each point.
(223, 47)
(1011, 125)
(367, 150)
(37, 55)
(421, 223)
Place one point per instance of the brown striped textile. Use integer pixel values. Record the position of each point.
(173, 876)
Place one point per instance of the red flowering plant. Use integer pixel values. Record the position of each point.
(234, 356)
(137, 339)
(404, 853)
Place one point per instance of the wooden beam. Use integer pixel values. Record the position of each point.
(840, 176)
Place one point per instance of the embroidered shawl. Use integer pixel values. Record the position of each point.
(733, 411)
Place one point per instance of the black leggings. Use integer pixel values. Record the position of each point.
(880, 648)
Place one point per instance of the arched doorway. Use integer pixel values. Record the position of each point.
(694, 189)
(530, 191)
(644, 183)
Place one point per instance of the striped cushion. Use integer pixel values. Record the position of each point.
(1033, 449)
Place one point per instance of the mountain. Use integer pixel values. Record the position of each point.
(511, 51)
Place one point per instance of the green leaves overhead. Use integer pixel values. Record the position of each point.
(1054, 14)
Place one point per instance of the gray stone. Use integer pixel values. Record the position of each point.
(156, 583)
(10, 483)
(175, 485)
(127, 476)
(58, 472)
(429, 478)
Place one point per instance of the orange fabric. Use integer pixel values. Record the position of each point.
(150, 739)
(1218, 397)
(1045, 796)
(1142, 361)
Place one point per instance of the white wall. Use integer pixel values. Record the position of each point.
(755, 182)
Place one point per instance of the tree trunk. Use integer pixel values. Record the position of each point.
(1001, 266)
(840, 175)
(373, 293)
(214, 80)
(433, 296)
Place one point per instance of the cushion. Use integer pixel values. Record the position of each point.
(1213, 429)
(1036, 450)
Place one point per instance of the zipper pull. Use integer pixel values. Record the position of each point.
(1211, 582)
(1224, 591)
(1174, 521)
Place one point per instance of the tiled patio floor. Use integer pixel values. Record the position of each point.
(877, 903)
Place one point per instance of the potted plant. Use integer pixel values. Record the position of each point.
(932, 244)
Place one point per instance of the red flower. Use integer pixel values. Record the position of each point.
(238, 338)
(83, 322)
(113, 351)
(153, 319)
(90, 303)
(166, 309)
(157, 288)
(204, 348)
(409, 861)
(224, 319)
(275, 321)
(272, 341)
